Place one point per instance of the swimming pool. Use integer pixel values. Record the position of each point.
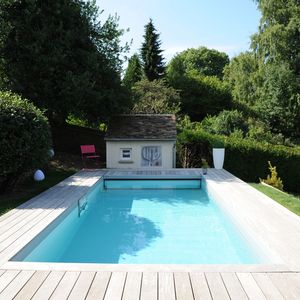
(143, 222)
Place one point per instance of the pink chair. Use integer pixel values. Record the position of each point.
(88, 152)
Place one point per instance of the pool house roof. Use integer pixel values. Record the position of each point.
(142, 127)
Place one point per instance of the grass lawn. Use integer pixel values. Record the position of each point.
(59, 169)
(291, 202)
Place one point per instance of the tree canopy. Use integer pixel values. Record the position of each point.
(152, 59)
(200, 61)
(197, 74)
(267, 80)
(58, 55)
(134, 72)
(242, 75)
(277, 47)
(155, 97)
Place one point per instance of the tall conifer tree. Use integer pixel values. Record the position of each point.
(134, 72)
(153, 61)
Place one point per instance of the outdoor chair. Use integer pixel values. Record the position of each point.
(88, 152)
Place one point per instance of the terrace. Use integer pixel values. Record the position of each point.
(267, 224)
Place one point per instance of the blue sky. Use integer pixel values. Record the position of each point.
(225, 25)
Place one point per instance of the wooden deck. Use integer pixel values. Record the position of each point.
(25, 284)
(274, 228)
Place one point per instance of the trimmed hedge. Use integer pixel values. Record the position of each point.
(246, 159)
(25, 138)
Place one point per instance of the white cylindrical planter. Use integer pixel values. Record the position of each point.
(218, 157)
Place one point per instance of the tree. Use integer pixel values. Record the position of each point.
(226, 123)
(153, 62)
(134, 72)
(201, 95)
(200, 61)
(277, 46)
(155, 97)
(58, 55)
(197, 74)
(242, 75)
(279, 102)
(278, 38)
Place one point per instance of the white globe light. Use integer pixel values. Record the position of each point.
(38, 175)
(51, 152)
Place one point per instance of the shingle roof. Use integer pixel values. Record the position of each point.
(142, 127)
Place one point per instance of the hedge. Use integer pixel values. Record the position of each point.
(246, 159)
(25, 139)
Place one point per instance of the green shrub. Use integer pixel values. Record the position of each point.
(244, 158)
(226, 122)
(273, 179)
(25, 138)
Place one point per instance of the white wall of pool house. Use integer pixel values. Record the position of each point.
(114, 159)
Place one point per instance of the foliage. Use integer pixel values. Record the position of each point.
(25, 138)
(200, 61)
(279, 102)
(205, 164)
(201, 95)
(218, 144)
(242, 75)
(58, 55)
(197, 73)
(152, 59)
(273, 179)
(245, 158)
(134, 72)
(277, 40)
(183, 122)
(155, 97)
(226, 122)
(277, 46)
(261, 132)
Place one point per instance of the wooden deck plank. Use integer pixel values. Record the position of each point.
(45, 197)
(286, 284)
(199, 286)
(166, 288)
(32, 285)
(99, 286)
(250, 286)
(44, 200)
(16, 235)
(31, 228)
(48, 286)
(28, 205)
(82, 286)
(233, 286)
(183, 286)
(16, 285)
(41, 285)
(6, 278)
(65, 286)
(149, 286)
(216, 286)
(115, 286)
(132, 287)
(267, 286)
(48, 205)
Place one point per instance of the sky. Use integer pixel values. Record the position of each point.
(224, 25)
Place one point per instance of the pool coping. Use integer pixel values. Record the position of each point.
(220, 181)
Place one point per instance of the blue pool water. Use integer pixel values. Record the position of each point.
(157, 222)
